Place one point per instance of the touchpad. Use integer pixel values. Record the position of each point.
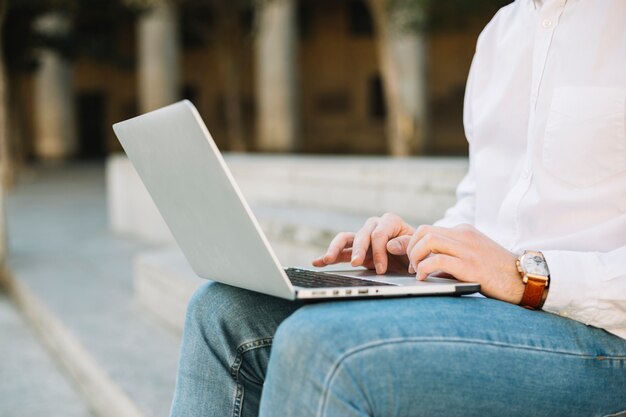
(393, 278)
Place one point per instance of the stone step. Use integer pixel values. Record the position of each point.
(164, 281)
(417, 188)
(31, 382)
(303, 226)
(73, 280)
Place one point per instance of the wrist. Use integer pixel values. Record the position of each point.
(508, 285)
(515, 287)
(516, 291)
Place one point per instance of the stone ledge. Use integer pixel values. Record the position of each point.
(416, 188)
(164, 283)
(75, 280)
(32, 383)
(103, 395)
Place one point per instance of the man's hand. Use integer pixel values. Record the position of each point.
(380, 244)
(467, 255)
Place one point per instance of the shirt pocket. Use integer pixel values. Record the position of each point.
(585, 136)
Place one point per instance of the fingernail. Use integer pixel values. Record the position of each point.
(379, 269)
(411, 269)
(355, 255)
(395, 245)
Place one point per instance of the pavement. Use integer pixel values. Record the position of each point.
(31, 382)
(62, 253)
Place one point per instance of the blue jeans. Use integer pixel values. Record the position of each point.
(391, 357)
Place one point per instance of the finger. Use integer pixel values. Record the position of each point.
(318, 262)
(459, 234)
(361, 241)
(434, 244)
(389, 226)
(440, 263)
(338, 244)
(344, 256)
(440, 274)
(379, 238)
(399, 245)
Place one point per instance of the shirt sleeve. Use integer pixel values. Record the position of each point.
(589, 287)
(464, 209)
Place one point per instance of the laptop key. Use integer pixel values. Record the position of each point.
(313, 279)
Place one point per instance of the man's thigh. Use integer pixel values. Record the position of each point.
(469, 356)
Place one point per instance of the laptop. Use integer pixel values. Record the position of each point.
(191, 185)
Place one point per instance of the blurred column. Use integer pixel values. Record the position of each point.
(55, 117)
(278, 115)
(159, 59)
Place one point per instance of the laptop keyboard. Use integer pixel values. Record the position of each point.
(312, 279)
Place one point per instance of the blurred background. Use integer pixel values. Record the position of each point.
(328, 111)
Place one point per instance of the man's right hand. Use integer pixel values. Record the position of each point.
(380, 244)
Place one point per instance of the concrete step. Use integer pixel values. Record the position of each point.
(164, 281)
(303, 226)
(31, 382)
(73, 280)
(416, 188)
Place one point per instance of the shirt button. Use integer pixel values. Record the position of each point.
(563, 314)
(547, 23)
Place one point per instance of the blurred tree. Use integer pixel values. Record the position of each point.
(92, 32)
(401, 27)
(227, 26)
(402, 60)
(96, 21)
(3, 145)
(229, 31)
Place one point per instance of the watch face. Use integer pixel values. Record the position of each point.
(535, 265)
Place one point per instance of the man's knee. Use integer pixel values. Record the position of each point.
(226, 314)
(306, 337)
(214, 304)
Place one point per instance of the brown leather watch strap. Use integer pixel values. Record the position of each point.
(533, 293)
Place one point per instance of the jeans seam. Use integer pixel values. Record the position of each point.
(236, 365)
(618, 414)
(358, 349)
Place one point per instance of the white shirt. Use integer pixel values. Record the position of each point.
(545, 119)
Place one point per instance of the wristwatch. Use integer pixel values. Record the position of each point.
(533, 268)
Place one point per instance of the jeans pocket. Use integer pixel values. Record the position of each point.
(585, 136)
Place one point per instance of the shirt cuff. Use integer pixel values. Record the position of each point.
(569, 294)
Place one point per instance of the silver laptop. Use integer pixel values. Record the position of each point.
(185, 174)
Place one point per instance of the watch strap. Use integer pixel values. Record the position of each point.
(533, 293)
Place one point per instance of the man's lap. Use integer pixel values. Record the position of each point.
(444, 352)
(450, 319)
(431, 350)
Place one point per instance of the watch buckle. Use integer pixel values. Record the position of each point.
(536, 278)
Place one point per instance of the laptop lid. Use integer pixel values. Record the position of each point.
(187, 178)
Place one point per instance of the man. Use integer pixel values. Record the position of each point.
(545, 119)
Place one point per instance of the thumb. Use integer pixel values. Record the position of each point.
(398, 245)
